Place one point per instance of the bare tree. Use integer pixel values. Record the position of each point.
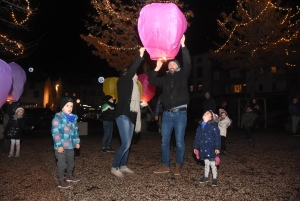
(113, 31)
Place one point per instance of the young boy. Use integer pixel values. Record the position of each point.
(65, 136)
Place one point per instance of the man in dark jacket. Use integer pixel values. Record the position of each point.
(209, 104)
(294, 111)
(175, 97)
(247, 122)
(108, 117)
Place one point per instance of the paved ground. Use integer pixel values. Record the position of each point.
(267, 169)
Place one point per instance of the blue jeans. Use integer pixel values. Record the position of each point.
(126, 131)
(107, 136)
(170, 120)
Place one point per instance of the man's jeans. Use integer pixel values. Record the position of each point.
(295, 121)
(126, 131)
(170, 120)
(107, 136)
(65, 161)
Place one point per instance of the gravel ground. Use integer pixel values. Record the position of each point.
(267, 169)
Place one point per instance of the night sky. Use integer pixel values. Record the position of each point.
(61, 51)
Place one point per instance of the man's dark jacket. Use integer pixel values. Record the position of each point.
(175, 86)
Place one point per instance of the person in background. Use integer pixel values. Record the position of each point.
(223, 106)
(256, 110)
(175, 98)
(247, 122)
(65, 136)
(209, 103)
(294, 111)
(13, 131)
(224, 123)
(208, 143)
(158, 112)
(108, 112)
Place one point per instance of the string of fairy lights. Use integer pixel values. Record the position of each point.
(10, 45)
(288, 17)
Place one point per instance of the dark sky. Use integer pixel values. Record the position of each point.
(61, 51)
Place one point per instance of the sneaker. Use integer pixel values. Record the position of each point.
(103, 150)
(11, 154)
(117, 173)
(72, 178)
(17, 154)
(177, 170)
(214, 182)
(162, 169)
(63, 183)
(126, 170)
(204, 179)
(296, 135)
(109, 150)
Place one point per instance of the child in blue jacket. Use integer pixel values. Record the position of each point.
(65, 136)
(208, 143)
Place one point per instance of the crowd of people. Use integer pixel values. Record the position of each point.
(170, 113)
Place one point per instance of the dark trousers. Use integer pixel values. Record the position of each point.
(65, 163)
(248, 132)
(223, 143)
(6, 144)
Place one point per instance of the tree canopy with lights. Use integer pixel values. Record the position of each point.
(259, 34)
(13, 17)
(113, 31)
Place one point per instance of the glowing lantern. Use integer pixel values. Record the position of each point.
(147, 88)
(110, 86)
(5, 81)
(19, 79)
(161, 26)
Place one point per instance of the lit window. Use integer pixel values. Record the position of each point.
(74, 94)
(273, 69)
(200, 87)
(237, 88)
(191, 88)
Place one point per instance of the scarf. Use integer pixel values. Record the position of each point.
(203, 124)
(135, 103)
(16, 117)
(70, 117)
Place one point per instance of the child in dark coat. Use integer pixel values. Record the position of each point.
(208, 143)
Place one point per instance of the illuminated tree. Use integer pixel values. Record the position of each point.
(114, 30)
(13, 17)
(258, 35)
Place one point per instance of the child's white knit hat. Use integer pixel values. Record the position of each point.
(19, 108)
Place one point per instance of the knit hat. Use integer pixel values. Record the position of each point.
(221, 111)
(174, 60)
(213, 115)
(107, 98)
(64, 101)
(19, 108)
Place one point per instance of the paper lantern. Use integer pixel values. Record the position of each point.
(19, 79)
(5, 81)
(110, 86)
(147, 88)
(161, 27)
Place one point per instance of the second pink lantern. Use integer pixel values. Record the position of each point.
(161, 26)
(148, 90)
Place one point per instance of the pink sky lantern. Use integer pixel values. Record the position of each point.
(148, 90)
(5, 81)
(18, 81)
(161, 26)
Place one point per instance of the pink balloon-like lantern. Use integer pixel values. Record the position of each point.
(148, 90)
(160, 27)
(19, 79)
(5, 81)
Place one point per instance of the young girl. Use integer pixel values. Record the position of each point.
(224, 123)
(13, 131)
(65, 136)
(207, 141)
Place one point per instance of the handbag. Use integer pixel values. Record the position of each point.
(217, 160)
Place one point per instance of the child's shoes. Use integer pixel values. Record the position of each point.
(11, 154)
(204, 179)
(214, 182)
